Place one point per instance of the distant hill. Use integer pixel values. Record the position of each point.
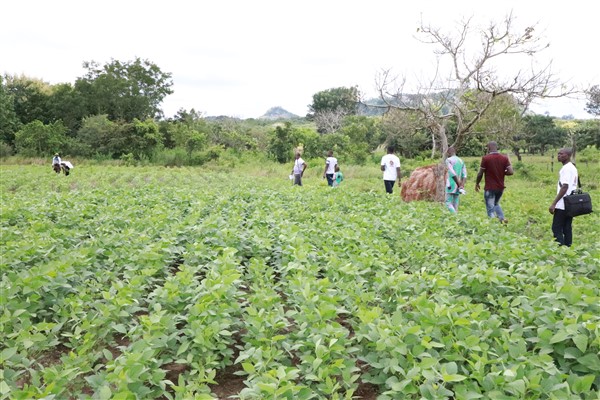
(278, 113)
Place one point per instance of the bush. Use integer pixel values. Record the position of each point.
(6, 150)
(590, 153)
(176, 157)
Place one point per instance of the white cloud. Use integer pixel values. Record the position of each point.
(236, 57)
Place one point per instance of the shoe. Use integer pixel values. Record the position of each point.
(504, 221)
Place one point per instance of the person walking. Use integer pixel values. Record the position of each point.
(298, 169)
(457, 176)
(562, 224)
(330, 163)
(495, 167)
(338, 176)
(390, 165)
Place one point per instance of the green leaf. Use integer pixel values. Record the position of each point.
(560, 336)
(591, 361)
(184, 346)
(248, 367)
(453, 377)
(8, 353)
(4, 388)
(518, 386)
(107, 354)
(104, 393)
(581, 341)
(583, 384)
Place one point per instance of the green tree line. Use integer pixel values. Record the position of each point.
(113, 112)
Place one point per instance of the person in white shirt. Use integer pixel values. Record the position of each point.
(56, 161)
(298, 169)
(330, 163)
(562, 224)
(390, 165)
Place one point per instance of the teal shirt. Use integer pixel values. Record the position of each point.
(456, 167)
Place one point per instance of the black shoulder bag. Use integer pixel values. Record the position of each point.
(578, 202)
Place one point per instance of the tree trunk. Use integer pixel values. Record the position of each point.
(517, 153)
(440, 171)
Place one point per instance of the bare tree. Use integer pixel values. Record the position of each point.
(329, 121)
(473, 81)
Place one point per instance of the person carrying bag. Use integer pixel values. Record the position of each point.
(578, 202)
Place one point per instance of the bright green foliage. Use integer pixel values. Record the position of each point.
(124, 90)
(543, 133)
(341, 98)
(9, 122)
(37, 139)
(115, 278)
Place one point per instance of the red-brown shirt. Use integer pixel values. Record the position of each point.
(494, 166)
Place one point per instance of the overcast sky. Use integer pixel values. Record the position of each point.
(242, 57)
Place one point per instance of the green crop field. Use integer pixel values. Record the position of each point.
(187, 283)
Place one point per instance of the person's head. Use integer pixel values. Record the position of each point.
(337, 168)
(492, 146)
(451, 151)
(391, 149)
(564, 155)
(330, 153)
(297, 155)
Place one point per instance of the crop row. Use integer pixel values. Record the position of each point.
(133, 283)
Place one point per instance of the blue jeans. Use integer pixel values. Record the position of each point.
(492, 203)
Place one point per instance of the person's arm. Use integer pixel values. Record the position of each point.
(478, 180)
(451, 173)
(563, 190)
(509, 170)
(303, 168)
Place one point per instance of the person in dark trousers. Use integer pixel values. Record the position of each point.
(495, 167)
(562, 224)
(298, 169)
(390, 165)
(330, 163)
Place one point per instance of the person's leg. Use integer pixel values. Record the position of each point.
(298, 179)
(329, 179)
(489, 198)
(558, 221)
(456, 200)
(389, 186)
(568, 230)
(497, 209)
(451, 202)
